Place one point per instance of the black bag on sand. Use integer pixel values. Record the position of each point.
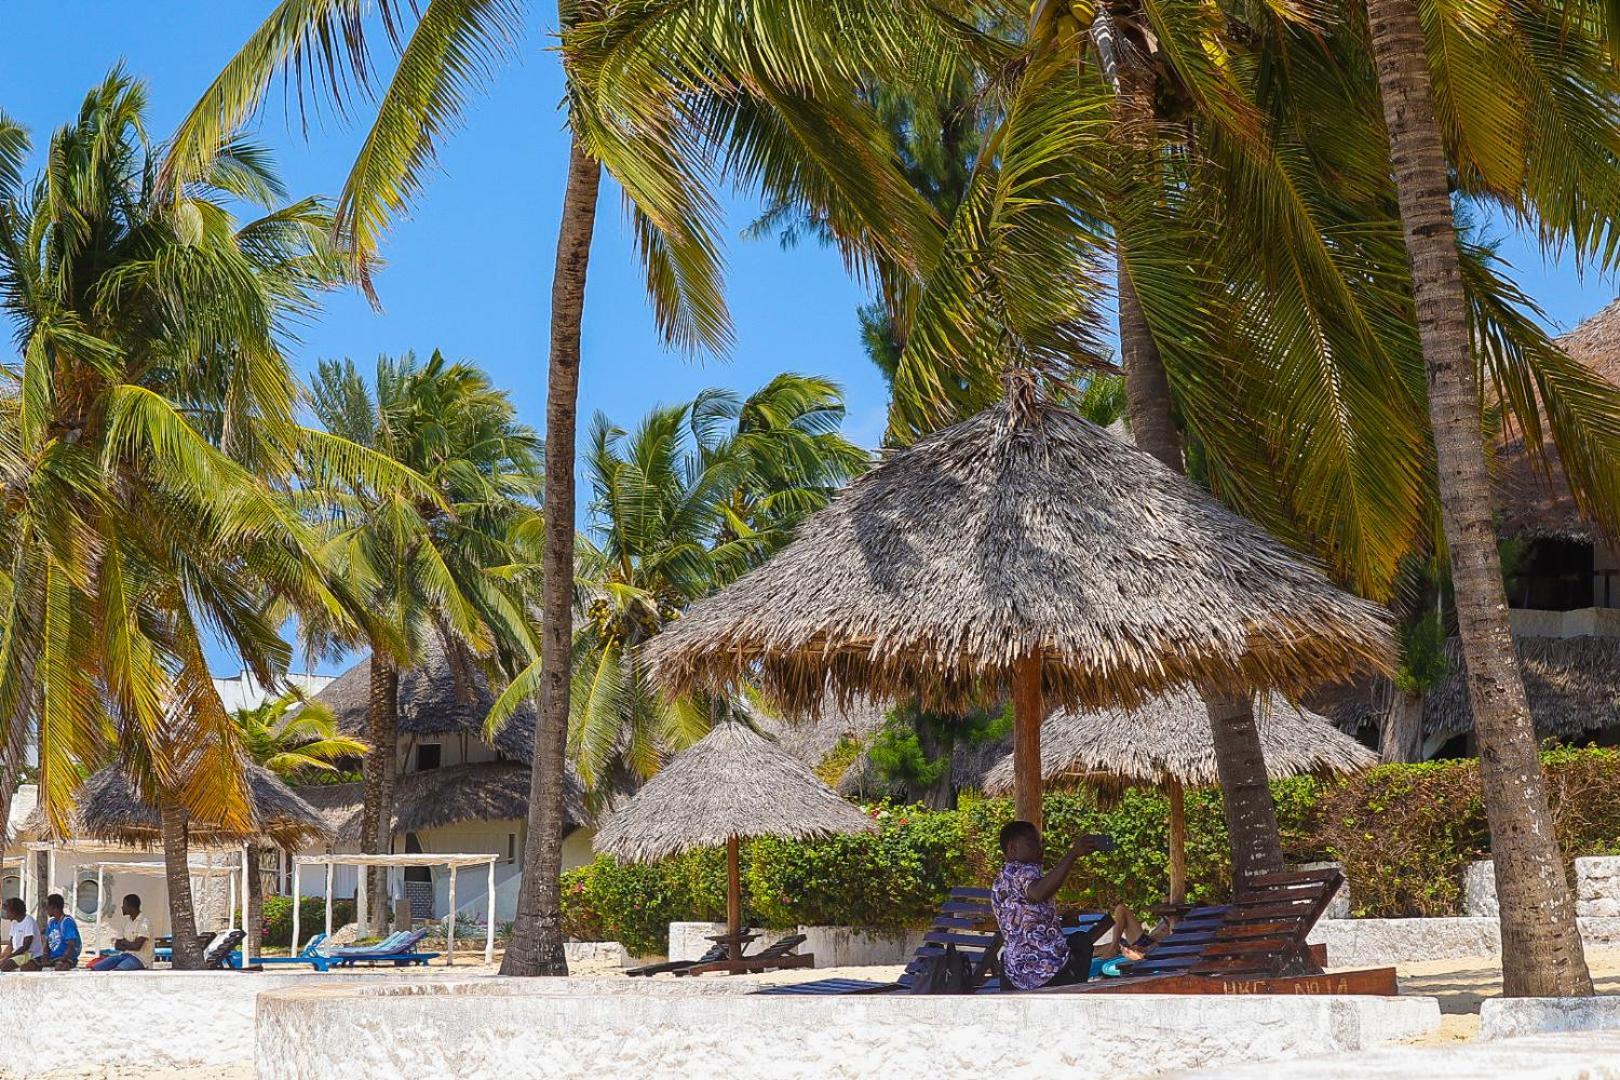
(945, 973)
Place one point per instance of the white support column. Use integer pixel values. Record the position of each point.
(329, 899)
(362, 899)
(489, 934)
(101, 902)
(50, 875)
(230, 900)
(296, 898)
(450, 929)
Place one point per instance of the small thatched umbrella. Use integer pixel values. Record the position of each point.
(1166, 743)
(1025, 547)
(110, 808)
(731, 785)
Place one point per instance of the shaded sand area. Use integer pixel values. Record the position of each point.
(1462, 984)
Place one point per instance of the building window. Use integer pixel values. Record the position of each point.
(428, 756)
(87, 898)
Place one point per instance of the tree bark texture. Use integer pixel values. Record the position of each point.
(1401, 737)
(177, 876)
(536, 945)
(1028, 712)
(381, 763)
(1541, 945)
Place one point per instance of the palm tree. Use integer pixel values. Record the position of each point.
(425, 565)
(293, 737)
(697, 495)
(667, 97)
(144, 444)
(1542, 953)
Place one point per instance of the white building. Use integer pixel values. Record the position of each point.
(454, 792)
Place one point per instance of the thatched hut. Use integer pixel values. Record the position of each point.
(109, 809)
(441, 798)
(1573, 686)
(442, 700)
(1166, 744)
(1566, 564)
(1024, 549)
(731, 785)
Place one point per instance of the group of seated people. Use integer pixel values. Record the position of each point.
(60, 946)
(1035, 952)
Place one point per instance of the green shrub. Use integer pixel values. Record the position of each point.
(888, 879)
(277, 927)
(1404, 833)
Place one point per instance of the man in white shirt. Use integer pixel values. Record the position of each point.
(25, 947)
(134, 941)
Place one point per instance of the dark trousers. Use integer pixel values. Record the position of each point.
(1078, 969)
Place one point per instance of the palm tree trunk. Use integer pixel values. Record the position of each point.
(1251, 817)
(377, 812)
(177, 876)
(1401, 737)
(253, 916)
(1541, 945)
(536, 944)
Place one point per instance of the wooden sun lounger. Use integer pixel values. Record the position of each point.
(1254, 945)
(774, 957)
(964, 921)
(717, 951)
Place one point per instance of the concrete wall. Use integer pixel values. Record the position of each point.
(1506, 1018)
(1594, 1056)
(1597, 888)
(93, 1024)
(1379, 942)
(606, 1028)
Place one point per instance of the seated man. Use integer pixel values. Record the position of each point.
(62, 941)
(1034, 952)
(133, 943)
(24, 949)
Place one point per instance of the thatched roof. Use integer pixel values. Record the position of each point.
(811, 739)
(109, 809)
(1168, 740)
(1534, 502)
(438, 697)
(1024, 527)
(435, 798)
(732, 782)
(1573, 685)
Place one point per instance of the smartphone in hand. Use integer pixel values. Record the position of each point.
(1102, 841)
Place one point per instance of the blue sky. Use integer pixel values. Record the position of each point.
(469, 272)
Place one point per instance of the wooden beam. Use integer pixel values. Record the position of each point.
(1178, 843)
(733, 899)
(1378, 982)
(1028, 712)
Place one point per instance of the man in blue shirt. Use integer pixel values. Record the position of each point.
(62, 941)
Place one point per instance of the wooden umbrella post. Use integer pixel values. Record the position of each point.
(1028, 712)
(733, 899)
(1178, 842)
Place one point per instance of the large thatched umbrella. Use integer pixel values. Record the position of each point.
(731, 785)
(109, 808)
(1166, 743)
(1024, 548)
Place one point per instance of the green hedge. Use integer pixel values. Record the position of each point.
(276, 929)
(1404, 833)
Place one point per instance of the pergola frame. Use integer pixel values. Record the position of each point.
(157, 869)
(453, 861)
(237, 888)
